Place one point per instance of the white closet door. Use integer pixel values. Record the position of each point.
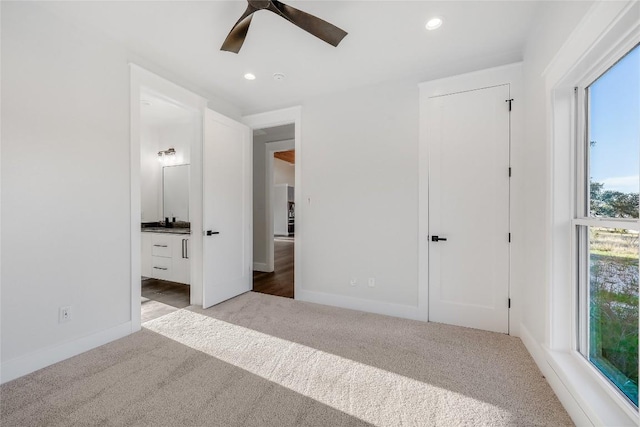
(468, 142)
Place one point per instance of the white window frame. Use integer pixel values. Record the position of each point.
(581, 211)
(607, 32)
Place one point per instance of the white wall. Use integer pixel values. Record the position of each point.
(556, 23)
(280, 210)
(284, 173)
(65, 187)
(150, 174)
(259, 202)
(360, 178)
(153, 138)
(65, 183)
(180, 137)
(556, 61)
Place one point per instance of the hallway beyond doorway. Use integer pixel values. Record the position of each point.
(280, 281)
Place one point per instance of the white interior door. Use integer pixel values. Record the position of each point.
(227, 209)
(468, 140)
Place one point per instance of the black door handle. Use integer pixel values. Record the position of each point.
(211, 233)
(438, 239)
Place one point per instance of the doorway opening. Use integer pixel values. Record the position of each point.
(274, 210)
(167, 130)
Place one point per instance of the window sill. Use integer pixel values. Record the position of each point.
(599, 399)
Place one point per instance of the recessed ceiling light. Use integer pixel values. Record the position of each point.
(433, 23)
(278, 77)
(250, 76)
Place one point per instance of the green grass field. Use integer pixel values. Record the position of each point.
(613, 313)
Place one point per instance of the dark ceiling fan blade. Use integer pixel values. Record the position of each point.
(236, 36)
(312, 24)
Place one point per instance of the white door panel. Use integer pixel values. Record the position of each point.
(227, 210)
(468, 137)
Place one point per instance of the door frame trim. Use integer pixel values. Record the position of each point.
(278, 118)
(508, 74)
(139, 78)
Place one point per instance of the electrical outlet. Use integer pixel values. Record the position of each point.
(353, 282)
(64, 315)
(372, 282)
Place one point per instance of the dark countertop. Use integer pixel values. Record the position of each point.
(166, 230)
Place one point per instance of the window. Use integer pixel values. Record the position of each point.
(606, 222)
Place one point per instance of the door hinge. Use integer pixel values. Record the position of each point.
(509, 101)
(508, 302)
(509, 237)
(509, 171)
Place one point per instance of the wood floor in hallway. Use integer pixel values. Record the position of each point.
(279, 282)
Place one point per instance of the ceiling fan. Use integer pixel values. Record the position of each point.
(316, 26)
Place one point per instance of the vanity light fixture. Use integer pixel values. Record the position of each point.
(167, 156)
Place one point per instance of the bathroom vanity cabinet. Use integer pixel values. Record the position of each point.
(166, 256)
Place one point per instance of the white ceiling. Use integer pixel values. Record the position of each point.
(386, 41)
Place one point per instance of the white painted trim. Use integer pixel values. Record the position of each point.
(598, 23)
(261, 266)
(277, 118)
(196, 242)
(270, 149)
(15, 368)
(135, 196)
(1, 209)
(601, 34)
(167, 88)
(508, 74)
(489, 77)
(423, 210)
(629, 224)
(273, 118)
(377, 307)
(141, 79)
(577, 388)
(568, 401)
(607, 31)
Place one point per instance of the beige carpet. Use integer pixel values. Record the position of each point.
(259, 360)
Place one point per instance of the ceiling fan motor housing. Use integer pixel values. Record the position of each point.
(260, 4)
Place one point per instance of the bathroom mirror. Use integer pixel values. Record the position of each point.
(175, 192)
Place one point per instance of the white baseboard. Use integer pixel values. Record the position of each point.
(15, 368)
(568, 401)
(261, 266)
(585, 400)
(389, 309)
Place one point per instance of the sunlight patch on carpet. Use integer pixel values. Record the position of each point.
(371, 394)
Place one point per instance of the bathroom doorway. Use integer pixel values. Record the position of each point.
(167, 131)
